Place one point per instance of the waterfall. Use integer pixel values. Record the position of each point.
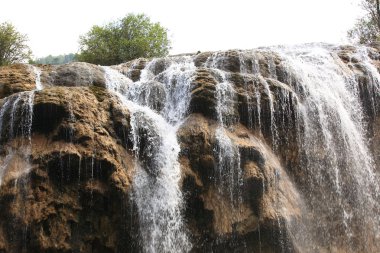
(166, 92)
(37, 73)
(287, 148)
(312, 94)
(16, 117)
(157, 103)
(341, 187)
(228, 177)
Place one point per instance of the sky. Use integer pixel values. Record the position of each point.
(53, 27)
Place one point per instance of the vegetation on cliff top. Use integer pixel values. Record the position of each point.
(131, 37)
(13, 47)
(367, 28)
(56, 59)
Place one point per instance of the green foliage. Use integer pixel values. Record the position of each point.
(13, 47)
(55, 60)
(132, 37)
(367, 28)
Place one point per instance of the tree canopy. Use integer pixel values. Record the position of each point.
(13, 47)
(367, 28)
(129, 38)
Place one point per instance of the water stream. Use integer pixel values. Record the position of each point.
(342, 188)
(16, 116)
(157, 103)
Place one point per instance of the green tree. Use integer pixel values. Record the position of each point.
(13, 47)
(367, 28)
(129, 38)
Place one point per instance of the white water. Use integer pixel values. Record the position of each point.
(373, 74)
(228, 177)
(4, 163)
(342, 183)
(339, 182)
(37, 73)
(340, 186)
(19, 106)
(168, 92)
(156, 190)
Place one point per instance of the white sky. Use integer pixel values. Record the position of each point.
(53, 27)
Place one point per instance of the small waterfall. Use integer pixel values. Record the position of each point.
(156, 189)
(372, 89)
(166, 92)
(157, 103)
(4, 164)
(16, 117)
(37, 73)
(273, 127)
(228, 176)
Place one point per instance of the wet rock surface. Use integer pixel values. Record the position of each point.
(243, 222)
(74, 196)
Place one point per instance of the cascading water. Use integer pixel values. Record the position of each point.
(158, 102)
(343, 188)
(306, 102)
(37, 73)
(166, 92)
(340, 185)
(228, 169)
(320, 100)
(17, 111)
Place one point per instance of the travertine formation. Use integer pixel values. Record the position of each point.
(66, 177)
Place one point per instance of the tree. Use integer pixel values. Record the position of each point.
(13, 47)
(129, 38)
(367, 28)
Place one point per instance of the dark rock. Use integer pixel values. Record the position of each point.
(203, 93)
(73, 74)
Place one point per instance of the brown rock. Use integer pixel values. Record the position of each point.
(16, 78)
(233, 223)
(203, 93)
(73, 195)
(133, 68)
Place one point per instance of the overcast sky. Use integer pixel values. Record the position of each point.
(53, 27)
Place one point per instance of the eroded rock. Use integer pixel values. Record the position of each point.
(16, 78)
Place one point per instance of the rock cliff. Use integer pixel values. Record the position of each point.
(265, 161)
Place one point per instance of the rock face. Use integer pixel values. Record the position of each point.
(16, 78)
(251, 126)
(72, 196)
(73, 74)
